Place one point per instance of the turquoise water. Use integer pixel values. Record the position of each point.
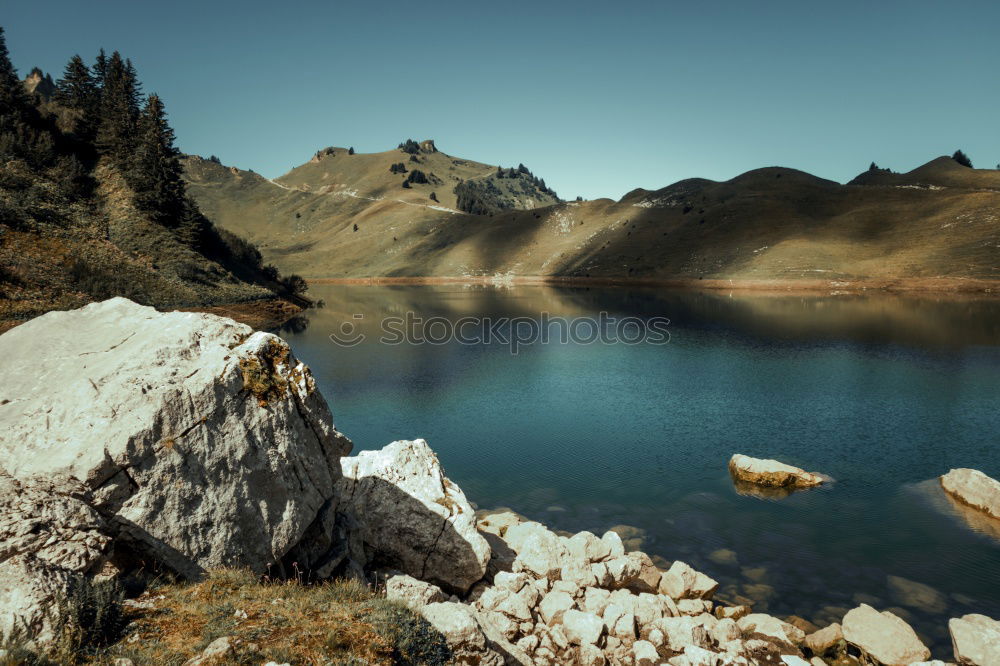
(882, 393)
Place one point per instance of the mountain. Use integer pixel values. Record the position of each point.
(338, 216)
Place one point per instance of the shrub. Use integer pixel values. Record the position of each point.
(410, 146)
(417, 176)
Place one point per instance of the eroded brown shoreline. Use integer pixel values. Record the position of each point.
(920, 285)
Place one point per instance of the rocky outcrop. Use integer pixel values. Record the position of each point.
(130, 437)
(972, 487)
(883, 637)
(411, 517)
(771, 473)
(976, 639)
(208, 444)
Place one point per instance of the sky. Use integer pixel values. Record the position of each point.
(598, 98)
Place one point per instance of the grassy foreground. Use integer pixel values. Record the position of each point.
(340, 622)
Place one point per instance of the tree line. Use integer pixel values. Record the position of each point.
(99, 115)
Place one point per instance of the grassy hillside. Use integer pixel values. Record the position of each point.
(940, 220)
(92, 204)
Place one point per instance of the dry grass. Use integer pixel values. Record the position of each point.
(341, 622)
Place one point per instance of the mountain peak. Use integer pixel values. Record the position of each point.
(39, 83)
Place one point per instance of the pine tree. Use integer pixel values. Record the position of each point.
(156, 169)
(119, 111)
(19, 133)
(100, 68)
(191, 225)
(76, 90)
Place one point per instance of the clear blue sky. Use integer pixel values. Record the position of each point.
(595, 97)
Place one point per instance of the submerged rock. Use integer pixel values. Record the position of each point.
(771, 473)
(976, 639)
(411, 517)
(884, 637)
(974, 488)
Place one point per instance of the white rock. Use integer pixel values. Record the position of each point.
(504, 601)
(648, 577)
(511, 581)
(582, 628)
(156, 414)
(595, 600)
(680, 632)
(579, 573)
(725, 630)
(460, 627)
(793, 660)
(554, 605)
(681, 581)
(695, 656)
(623, 570)
(972, 487)
(644, 654)
(412, 516)
(883, 636)
(766, 472)
(585, 546)
(824, 639)
(976, 639)
(540, 554)
(774, 629)
(411, 591)
(590, 655)
(614, 543)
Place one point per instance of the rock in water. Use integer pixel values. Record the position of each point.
(771, 473)
(412, 517)
(976, 639)
(974, 488)
(202, 443)
(884, 637)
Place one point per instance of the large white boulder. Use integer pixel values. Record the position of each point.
(205, 443)
(976, 639)
(884, 637)
(766, 472)
(411, 517)
(974, 488)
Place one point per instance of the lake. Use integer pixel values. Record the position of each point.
(881, 392)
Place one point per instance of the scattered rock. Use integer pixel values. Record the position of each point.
(884, 637)
(976, 639)
(825, 639)
(644, 654)
(973, 488)
(460, 627)
(582, 628)
(772, 629)
(771, 473)
(412, 592)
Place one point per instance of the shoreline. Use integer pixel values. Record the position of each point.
(890, 285)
